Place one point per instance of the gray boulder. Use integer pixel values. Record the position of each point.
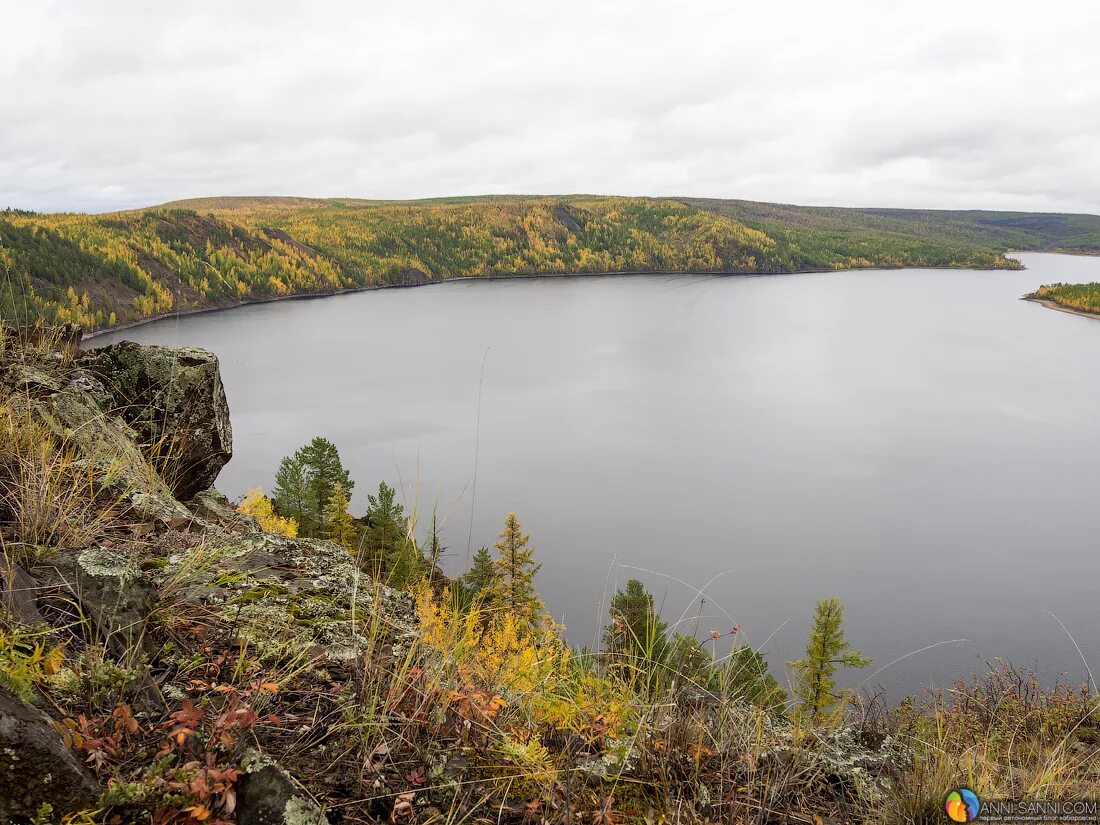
(75, 406)
(35, 766)
(175, 402)
(266, 795)
(111, 590)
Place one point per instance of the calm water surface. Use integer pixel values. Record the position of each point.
(920, 444)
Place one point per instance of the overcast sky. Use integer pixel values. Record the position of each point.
(110, 105)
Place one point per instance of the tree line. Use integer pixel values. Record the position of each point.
(104, 270)
(311, 498)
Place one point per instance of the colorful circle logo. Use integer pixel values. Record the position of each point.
(962, 805)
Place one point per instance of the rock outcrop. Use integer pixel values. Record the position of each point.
(36, 768)
(174, 400)
(267, 795)
(146, 430)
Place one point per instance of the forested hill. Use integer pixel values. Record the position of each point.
(111, 269)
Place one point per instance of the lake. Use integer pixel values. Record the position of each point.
(918, 443)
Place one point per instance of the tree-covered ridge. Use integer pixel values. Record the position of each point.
(105, 270)
(909, 237)
(1082, 297)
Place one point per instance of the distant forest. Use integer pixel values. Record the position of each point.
(105, 270)
(1083, 297)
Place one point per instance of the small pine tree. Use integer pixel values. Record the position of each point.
(482, 573)
(636, 629)
(433, 548)
(305, 482)
(339, 527)
(513, 587)
(325, 472)
(387, 532)
(292, 493)
(636, 638)
(745, 677)
(405, 567)
(826, 651)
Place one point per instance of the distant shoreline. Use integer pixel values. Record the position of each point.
(1049, 304)
(300, 296)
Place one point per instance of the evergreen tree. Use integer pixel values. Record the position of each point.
(688, 659)
(636, 629)
(405, 566)
(433, 548)
(826, 651)
(305, 482)
(513, 587)
(745, 677)
(479, 578)
(292, 494)
(637, 639)
(339, 527)
(325, 472)
(386, 535)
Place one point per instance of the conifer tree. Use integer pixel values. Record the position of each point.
(339, 527)
(826, 651)
(386, 536)
(305, 482)
(433, 548)
(405, 566)
(636, 638)
(291, 493)
(513, 588)
(636, 629)
(745, 677)
(479, 578)
(325, 471)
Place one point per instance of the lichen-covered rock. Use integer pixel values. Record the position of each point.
(291, 593)
(36, 767)
(73, 405)
(266, 795)
(210, 505)
(175, 401)
(865, 762)
(111, 590)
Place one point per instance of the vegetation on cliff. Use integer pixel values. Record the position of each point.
(168, 658)
(104, 270)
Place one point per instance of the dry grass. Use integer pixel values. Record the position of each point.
(49, 498)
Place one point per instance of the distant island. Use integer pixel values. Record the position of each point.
(1080, 299)
(111, 270)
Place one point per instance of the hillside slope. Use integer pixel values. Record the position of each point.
(105, 270)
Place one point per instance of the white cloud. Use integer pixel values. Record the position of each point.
(941, 104)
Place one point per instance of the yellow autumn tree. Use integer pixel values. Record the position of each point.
(259, 506)
(339, 527)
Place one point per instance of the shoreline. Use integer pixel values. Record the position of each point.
(1049, 304)
(301, 296)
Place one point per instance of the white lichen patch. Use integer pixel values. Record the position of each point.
(299, 811)
(103, 563)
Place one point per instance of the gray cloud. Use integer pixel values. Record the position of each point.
(942, 104)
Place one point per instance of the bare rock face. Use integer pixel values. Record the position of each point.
(175, 401)
(36, 767)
